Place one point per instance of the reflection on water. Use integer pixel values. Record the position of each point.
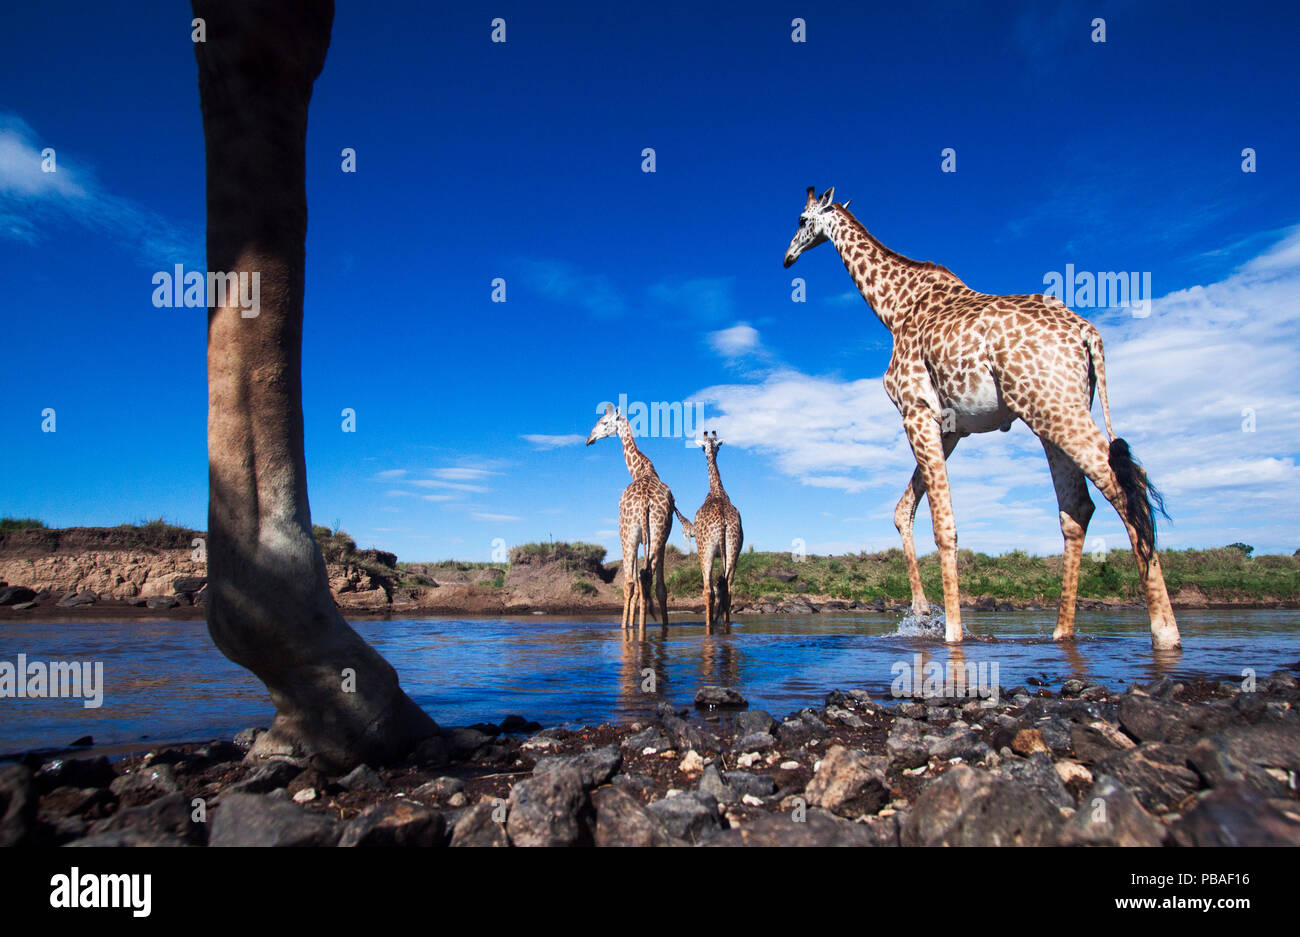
(165, 681)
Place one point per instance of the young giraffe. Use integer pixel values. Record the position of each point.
(717, 532)
(645, 514)
(967, 362)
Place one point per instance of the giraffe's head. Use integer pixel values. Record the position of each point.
(813, 224)
(607, 425)
(710, 444)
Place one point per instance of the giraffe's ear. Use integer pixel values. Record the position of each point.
(609, 409)
(812, 197)
(827, 197)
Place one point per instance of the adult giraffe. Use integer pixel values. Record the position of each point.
(337, 701)
(967, 362)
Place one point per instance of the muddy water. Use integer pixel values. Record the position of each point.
(165, 681)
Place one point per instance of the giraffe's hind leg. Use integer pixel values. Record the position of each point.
(922, 426)
(706, 573)
(731, 551)
(661, 587)
(1076, 510)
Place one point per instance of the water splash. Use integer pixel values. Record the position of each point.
(930, 626)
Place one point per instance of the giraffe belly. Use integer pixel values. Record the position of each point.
(975, 406)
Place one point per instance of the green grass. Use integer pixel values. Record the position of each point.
(21, 523)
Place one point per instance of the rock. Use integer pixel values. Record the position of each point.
(595, 767)
(719, 697)
(514, 724)
(76, 599)
(965, 807)
(169, 817)
(476, 827)
(266, 777)
(621, 820)
(1155, 774)
(652, 738)
(1109, 815)
(1234, 815)
(818, 828)
(959, 742)
(162, 601)
(462, 743)
(1148, 719)
(1028, 741)
(87, 803)
(189, 583)
(305, 795)
(1265, 758)
(549, 809)
(904, 745)
(849, 782)
(397, 822)
(431, 752)
(439, 788)
(145, 784)
(75, 772)
(692, 816)
(712, 783)
(692, 763)
(748, 784)
(362, 778)
(16, 595)
(1072, 687)
(18, 804)
(683, 735)
(754, 720)
(1071, 772)
(844, 717)
(201, 597)
(1093, 741)
(1038, 773)
(257, 820)
(754, 742)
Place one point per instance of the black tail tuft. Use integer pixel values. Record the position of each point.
(1140, 496)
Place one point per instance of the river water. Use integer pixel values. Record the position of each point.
(165, 681)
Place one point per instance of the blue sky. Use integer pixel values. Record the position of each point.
(522, 161)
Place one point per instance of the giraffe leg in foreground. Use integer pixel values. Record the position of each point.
(706, 571)
(661, 588)
(922, 428)
(905, 521)
(731, 556)
(1076, 509)
(1085, 445)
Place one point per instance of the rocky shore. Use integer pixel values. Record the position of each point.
(1165, 763)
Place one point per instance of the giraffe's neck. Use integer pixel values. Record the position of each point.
(638, 463)
(715, 480)
(887, 281)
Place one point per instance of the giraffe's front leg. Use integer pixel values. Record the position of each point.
(905, 520)
(922, 426)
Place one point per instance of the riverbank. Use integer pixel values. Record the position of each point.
(1165, 763)
(156, 570)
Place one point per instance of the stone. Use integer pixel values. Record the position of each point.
(1157, 776)
(397, 822)
(1093, 741)
(189, 583)
(965, 807)
(904, 746)
(595, 767)
(1266, 758)
(693, 763)
(1234, 815)
(87, 803)
(691, 816)
(245, 738)
(439, 788)
(622, 820)
(145, 784)
(748, 784)
(161, 601)
(719, 697)
(1109, 815)
(849, 782)
(362, 778)
(169, 817)
(754, 742)
(75, 772)
(652, 738)
(754, 720)
(548, 809)
(266, 777)
(462, 743)
(257, 820)
(817, 828)
(477, 827)
(18, 804)
(1028, 741)
(1148, 719)
(1039, 773)
(77, 599)
(16, 595)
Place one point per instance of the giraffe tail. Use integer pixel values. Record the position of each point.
(688, 529)
(1141, 498)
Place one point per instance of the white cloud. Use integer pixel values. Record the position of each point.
(35, 203)
(1182, 384)
(542, 441)
(736, 342)
(483, 516)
